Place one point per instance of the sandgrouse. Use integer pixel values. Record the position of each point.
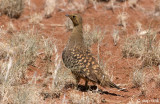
(79, 59)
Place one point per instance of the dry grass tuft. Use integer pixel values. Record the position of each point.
(50, 6)
(133, 47)
(2, 31)
(132, 3)
(93, 36)
(79, 5)
(115, 36)
(138, 26)
(11, 28)
(49, 48)
(138, 78)
(13, 8)
(21, 51)
(157, 7)
(122, 18)
(152, 57)
(144, 46)
(64, 78)
(22, 94)
(85, 98)
(36, 18)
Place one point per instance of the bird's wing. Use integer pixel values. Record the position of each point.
(85, 65)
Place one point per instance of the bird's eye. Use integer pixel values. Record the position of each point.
(74, 16)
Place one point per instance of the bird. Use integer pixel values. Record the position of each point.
(79, 59)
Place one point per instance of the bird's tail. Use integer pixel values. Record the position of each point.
(106, 82)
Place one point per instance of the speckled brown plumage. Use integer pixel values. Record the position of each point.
(79, 59)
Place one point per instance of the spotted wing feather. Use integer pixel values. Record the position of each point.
(82, 63)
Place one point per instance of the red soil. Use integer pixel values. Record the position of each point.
(121, 68)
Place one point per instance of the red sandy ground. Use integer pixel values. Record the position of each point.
(121, 68)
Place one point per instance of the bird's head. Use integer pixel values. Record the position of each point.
(76, 19)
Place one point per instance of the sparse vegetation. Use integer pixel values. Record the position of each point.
(13, 8)
(146, 47)
(21, 94)
(24, 47)
(157, 7)
(134, 46)
(115, 36)
(122, 18)
(36, 18)
(88, 98)
(18, 57)
(132, 3)
(31, 69)
(138, 78)
(21, 51)
(93, 36)
(138, 26)
(63, 80)
(50, 6)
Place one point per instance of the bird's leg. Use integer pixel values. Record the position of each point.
(86, 84)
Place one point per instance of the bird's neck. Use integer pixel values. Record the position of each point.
(77, 29)
(76, 37)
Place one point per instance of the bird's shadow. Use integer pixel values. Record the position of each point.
(95, 89)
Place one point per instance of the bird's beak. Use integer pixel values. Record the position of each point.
(67, 15)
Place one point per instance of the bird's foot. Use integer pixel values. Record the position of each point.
(82, 88)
